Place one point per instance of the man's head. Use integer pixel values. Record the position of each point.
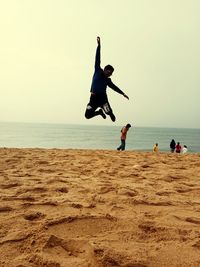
(108, 70)
(128, 125)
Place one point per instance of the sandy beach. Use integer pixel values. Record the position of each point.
(98, 208)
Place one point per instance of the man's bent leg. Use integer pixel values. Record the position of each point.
(102, 113)
(90, 112)
(112, 116)
(108, 110)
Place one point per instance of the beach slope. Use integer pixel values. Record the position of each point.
(98, 208)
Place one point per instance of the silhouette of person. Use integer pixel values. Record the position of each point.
(172, 145)
(98, 98)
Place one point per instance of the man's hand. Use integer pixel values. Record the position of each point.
(98, 40)
(126, 96)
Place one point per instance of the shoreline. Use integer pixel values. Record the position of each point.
(98, 149)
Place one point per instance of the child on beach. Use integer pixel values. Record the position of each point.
(184, 149)
(98, 97)
(155, 148)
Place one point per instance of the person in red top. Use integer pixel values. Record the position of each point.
(178, 148)
(124, 131)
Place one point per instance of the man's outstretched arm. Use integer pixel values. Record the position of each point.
(116, 89)
(98, 54)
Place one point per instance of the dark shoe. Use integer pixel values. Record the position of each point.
(102, 114)
(112, 116)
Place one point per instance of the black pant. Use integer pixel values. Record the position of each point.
(97, 101)
(122, 146)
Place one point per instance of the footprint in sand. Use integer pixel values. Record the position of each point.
(164, 193)
(183, 189)
(76, 206)
(81, 225)
(10, 185)
(32, 216)
(38, 260)
(106, 189)
(110, 257)
(5, 208)
(62, 189)
(128, 192)
(193, 220)
(73, 247)
(197, 244)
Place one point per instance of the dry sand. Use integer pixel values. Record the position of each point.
(99, 208)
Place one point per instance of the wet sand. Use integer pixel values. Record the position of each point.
(99, 208)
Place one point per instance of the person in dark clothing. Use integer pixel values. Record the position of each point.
(100, 81)
(172, 145)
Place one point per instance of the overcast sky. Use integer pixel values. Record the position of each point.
(47, 52)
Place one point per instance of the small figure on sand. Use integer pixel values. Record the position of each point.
(184, 149)
(124, 131)
(178, 148)
(172, 145)
(98, 97)
(155, 148)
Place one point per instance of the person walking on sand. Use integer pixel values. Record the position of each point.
(178, 148)
(155, 148)
(124, 131)
(98, 98)
(172, 145)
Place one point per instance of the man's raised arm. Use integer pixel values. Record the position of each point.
(98, 56)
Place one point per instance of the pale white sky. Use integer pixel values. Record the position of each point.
(47, 52)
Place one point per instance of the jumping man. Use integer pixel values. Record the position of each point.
(100, 81)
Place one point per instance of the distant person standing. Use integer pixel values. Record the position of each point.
(178, 148)
(172, 145)
(155, 148)
(184, 149)
(124, 131)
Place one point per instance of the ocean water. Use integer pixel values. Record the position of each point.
(32, 135)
